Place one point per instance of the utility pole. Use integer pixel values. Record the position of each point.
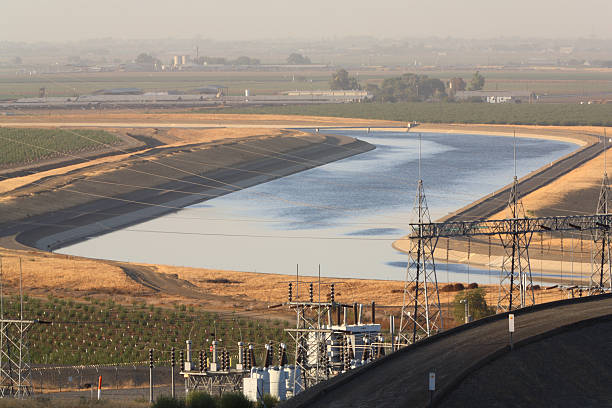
(151, 375)
(172, 364)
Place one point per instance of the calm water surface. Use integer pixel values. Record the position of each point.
(343, 215)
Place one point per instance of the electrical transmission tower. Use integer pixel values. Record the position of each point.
(516, 286)
(601, 272)
(421, 311)
(15, 370)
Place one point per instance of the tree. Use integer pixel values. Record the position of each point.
(144, 58)
(297, 59)
(478, 307)
(456, 84)
(477, 82)
(246, 61)
(409, 88)
(341, 81)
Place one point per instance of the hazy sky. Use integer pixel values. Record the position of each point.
(33, 20)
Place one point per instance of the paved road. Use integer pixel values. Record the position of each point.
(400, 379)
(498, 201)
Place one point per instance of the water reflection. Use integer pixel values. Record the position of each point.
(342, 215)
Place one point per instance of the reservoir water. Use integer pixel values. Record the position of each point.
(343, 215)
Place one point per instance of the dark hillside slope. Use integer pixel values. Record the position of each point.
(571, 369)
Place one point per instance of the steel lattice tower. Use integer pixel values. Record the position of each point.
(516, 286)
(421, 312)
(601, 268)
(15, 369)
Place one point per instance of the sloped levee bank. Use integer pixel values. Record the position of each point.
(104, 199)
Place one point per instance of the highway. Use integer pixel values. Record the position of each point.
(400, 379)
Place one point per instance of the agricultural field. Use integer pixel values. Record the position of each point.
(541, 81)
(485, 113)
(105, 332)
(23, 146)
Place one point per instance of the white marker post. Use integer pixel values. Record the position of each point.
(432, 385)
(99, 387)
(511, 328)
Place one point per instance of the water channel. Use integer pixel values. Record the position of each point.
(342, 215)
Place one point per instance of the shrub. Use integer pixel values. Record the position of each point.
(478, 307)
(234, 400)
(268, 401)
(199, 399)
(165, 401)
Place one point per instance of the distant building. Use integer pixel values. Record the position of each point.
(119, 91)
(497, 96)
(356, 94)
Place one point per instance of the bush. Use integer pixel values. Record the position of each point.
(234, 400)
(478, 307)
(269, 401)
(165, 401)
(199, 399)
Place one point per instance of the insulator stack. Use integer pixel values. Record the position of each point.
(332, 294)
(282, 359)
(346, 361)
(150, 358)
(366, 350)
(172, 357)
(380, 352)
(182, 360)
(373, 312)
(252, 360)
(202, 363)
(226, 359)
(310, 292)
(290, 292)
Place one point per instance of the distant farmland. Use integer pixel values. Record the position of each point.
(511, 114)
(559, 81)
(22, 146)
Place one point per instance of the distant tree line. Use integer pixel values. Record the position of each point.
(408, 87)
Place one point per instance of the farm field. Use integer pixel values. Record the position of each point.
(471, 113)
(104, 332)
(542, 81)
(23, 146)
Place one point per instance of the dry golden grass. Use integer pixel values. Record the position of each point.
(57, 273)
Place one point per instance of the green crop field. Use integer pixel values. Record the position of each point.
(12, 86)
(104, 332)
(22, 146)
(514, 114)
